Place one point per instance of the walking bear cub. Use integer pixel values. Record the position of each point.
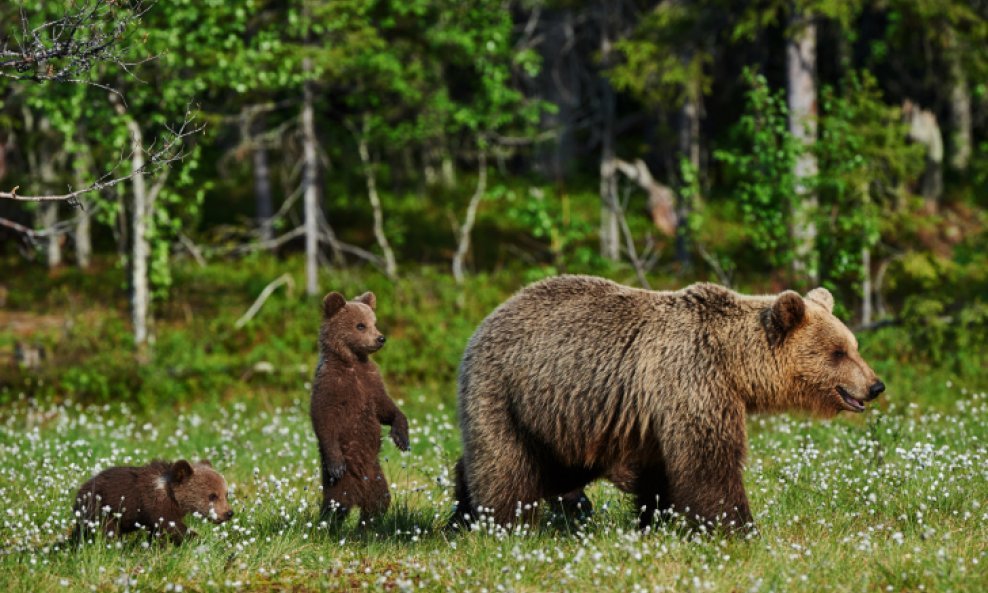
(154, 497)
(349, 405)
(576, 378)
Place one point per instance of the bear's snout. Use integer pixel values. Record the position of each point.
(381, 340)
(229, 514)
(876, 388)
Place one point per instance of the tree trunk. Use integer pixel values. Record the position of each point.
(140, 250)
(311, 195)
(83, 224)
(610, 231)
(866, 304)
(263, 202)
(801, 67)
(559, 84)
(49, 210)
(83, 236)
(463, 244)
(689, 148)
(53, 241)
(960, 115)
(390, 266)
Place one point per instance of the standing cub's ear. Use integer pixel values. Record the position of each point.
(181, 471)
(822, 297)
(788, 311)
(332, 303)
(368, 299)
(205, 462)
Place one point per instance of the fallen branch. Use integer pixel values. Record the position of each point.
(263, 297)
(192, 249)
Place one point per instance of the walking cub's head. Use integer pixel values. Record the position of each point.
(349, 328)
(198, 488)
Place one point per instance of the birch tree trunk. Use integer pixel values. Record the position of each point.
(463, 244)
(83, 224)
(310, 195)
(802, 101)
(866, 304)
(390, 266)
(960, 113)
(140, 250)
(264, 208)
(49, 211)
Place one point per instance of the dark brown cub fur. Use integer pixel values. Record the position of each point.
(349, 405)
(154, 497)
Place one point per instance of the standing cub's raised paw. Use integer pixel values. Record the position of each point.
(349, 405)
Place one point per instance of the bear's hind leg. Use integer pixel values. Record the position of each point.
(510, 487)
(374, 496)
(651, 494)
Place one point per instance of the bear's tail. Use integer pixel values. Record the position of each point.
(463, 513)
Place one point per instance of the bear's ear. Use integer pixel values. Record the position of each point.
(206, 462)
(332, 303)
(788, 311)
(822, 297)
(181, 471)
(368, 299)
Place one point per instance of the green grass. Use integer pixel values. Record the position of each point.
(893, 500)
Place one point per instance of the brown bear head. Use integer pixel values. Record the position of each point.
(818, 355)
(198, 488)
(349, 329)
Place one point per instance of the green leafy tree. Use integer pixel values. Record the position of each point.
(762, 167)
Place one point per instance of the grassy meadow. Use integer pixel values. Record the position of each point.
(895, 499)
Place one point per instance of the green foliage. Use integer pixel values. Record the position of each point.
(761, 167)
(864, 163)
(554, 222)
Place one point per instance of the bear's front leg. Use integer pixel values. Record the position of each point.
(174, 531)
(705, 468)
(389, 414)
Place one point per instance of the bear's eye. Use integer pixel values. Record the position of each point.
(213, 498)
(840, 353)
(361, 326)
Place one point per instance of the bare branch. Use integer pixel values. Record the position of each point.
(169, 152)
(65, 49)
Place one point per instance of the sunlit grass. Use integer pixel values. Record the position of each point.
(897, 500)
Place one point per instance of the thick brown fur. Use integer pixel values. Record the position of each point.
(349, 405)
(576, 378)
(155, 497)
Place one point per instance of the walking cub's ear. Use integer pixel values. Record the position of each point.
(181, 471)
(332, 303)
(368, 299)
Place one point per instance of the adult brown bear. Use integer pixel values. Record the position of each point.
(577, 377)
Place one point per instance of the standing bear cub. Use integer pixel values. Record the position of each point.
(154, 497)
(349, 405)
(576, 378)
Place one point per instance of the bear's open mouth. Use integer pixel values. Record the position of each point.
(851, 403)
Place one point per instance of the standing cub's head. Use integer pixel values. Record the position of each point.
(818, 355)
(198, 488)
(349, 328)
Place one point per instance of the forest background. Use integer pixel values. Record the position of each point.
(182, 181)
